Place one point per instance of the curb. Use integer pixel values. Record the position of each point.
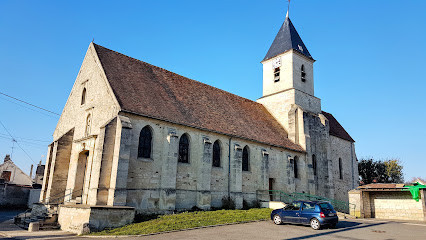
(180, 230)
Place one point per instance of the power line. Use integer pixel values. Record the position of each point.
(17, 143)
(29, 104)
(29, 139)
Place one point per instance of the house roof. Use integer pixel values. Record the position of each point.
(382, 187)
(287, 38)
(336, 129)
(150, 91)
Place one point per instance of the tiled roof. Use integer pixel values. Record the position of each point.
(382, 186)
(287, 38)
(150, 91)
(336, 129)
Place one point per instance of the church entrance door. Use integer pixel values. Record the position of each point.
(80, 175)
(271, 194)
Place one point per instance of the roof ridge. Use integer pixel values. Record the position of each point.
(178, 75)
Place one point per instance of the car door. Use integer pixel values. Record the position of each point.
(292, 213)
(307, 212)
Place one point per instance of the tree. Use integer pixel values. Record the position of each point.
(394, 171)
(371, 171)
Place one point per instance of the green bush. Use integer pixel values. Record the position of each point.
(228, 203)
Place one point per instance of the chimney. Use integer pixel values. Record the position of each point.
(7, 158)
(31, 171)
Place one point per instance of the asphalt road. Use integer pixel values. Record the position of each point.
(352, 229)
(347, 229)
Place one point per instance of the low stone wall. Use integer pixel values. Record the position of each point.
(72, 218)
(12, 195)
(81, 218)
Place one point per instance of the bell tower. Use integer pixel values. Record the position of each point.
(288, 63)
(288, 81)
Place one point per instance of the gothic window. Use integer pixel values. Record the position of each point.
(145, 143)
(295, 170)
(340, 169)
(246, 159)
(83, 96)
(216, 154)
(184, 149)
(276, 74)
(314, 164)
(88, 125)
(303, 73)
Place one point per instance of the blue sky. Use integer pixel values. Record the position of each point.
(369, 70)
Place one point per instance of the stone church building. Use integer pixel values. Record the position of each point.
(133, 134)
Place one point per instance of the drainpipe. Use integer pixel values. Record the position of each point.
(229, 168)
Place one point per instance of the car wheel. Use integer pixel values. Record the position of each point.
(315, 224)
(277, 219)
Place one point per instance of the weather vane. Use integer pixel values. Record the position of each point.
(288, 8)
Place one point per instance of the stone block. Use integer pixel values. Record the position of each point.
(34, 227)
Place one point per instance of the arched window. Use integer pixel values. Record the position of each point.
(303, 73)
(88, 125)
(83, 96)
(184, 149)
(216, 154)
(340, 169)
(314, 164)
(295, 170)
(246, 158)
(145, 143)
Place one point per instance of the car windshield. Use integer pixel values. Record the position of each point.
(326, 206)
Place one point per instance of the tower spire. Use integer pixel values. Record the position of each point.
(288, 9)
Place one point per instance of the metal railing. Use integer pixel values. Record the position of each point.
(278, 195)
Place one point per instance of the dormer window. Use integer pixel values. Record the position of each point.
(276, 74)
(303, 73)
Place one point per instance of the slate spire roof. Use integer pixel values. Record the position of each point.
(287, 38)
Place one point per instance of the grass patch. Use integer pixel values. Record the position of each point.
(187, 220)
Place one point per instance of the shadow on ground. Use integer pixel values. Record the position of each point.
(341, 227)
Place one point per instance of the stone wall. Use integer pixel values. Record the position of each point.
(344, 150)
(12, 195)
(100, 101)
(388, 205)
(396, 205)
(74, 218)
(161, 182)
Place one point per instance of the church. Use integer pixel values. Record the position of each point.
(136, 136)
